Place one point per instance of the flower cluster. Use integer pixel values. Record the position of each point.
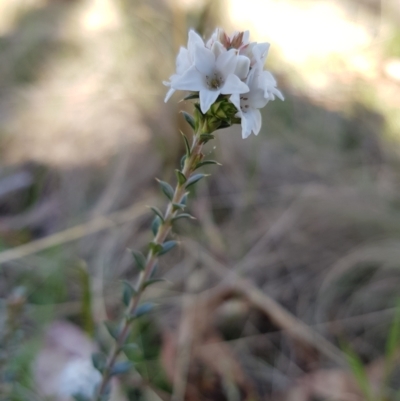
(229, 67)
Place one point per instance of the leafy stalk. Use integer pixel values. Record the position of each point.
(158, 246)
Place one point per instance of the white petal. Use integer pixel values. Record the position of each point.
(182, 61)
(226, 62)
(194, 41)
(242, 67)
(260, 52)
(217, 48)
(257, 99)
(207, 98)
(251, 122)
(235, 99)
(191, 80)
(204, 60)
(246, 128)
(169, 94)
(233, 85)
(246, 37)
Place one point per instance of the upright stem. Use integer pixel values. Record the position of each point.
(164, 229)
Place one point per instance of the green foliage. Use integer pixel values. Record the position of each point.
(167, 189)
(120, 368)
(184, 216)
(194, 179)
(189, 119)
(359, 372)
(143, 309)
(181, 177)
(132, 351)
(166, 247)
(155, 225)
(206, 162)
(152, 281)
(113, 329)
(158, 213)
(139, 259)
(127, 292)
(99, 361)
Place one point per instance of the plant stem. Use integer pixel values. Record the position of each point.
(164, 229)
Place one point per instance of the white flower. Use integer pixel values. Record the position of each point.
(227, 65)
(184, 60)
(248, 105)
(268, 84)
(213, 74)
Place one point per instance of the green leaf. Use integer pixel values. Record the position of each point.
(178, 206)
(152, 281)
(155, 225)
(132, 351)
(189, 119)
(158, 212)
(206, 162)
(99, 361)
(155, 248)
(166, 188)
(120, 368)
(359, 372)
(184, 199)
(180, 176)
(195, 178)
(139, 259)
(113, 329)
(127, 292)
(204, 138)
(184, 216)
(143, 309)
(183, 159)
(187, 146)
(166, 247)
(194, 95)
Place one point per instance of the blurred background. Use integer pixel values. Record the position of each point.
(285, 287)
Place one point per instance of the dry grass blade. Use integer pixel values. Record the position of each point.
(74, 233)
(279, 315)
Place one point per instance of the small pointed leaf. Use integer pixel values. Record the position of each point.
(166, 247)
(204, 138)
(152, 281)
(183, 159)
(99, 361)
(194, 95)
(178, 206)
(127, 293)
(120, 368)
(189, 119)
(206, 162)
(132, 351)
(187, 146)
(158, 212)
(112, 328)
(155, 225)
(167, 189)
(180, 176)
(184, 216)
(139, 259)
(195, 178)
(184, 199)
(143, 309)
